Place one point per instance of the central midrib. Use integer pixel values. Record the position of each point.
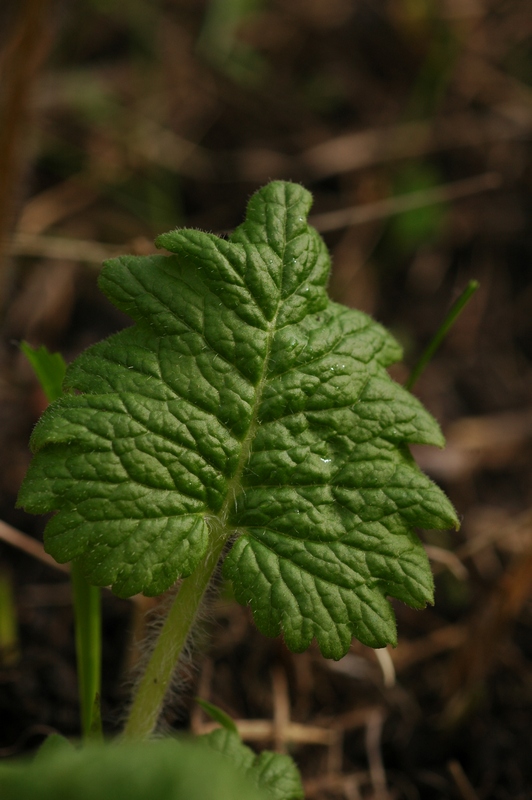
(235, 484)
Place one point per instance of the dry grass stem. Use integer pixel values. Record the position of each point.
(359, 215)
(29, 545)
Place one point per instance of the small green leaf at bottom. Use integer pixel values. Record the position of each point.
(276, 774)
(167, 769)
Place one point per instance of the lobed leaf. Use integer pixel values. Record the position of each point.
(243, 397)
(274, 774)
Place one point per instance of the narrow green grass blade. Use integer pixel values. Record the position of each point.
(441, 333)
(9, 639)
(50, 370)
(217, 714)
(87, 612)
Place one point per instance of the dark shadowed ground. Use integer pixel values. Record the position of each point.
(120, 120)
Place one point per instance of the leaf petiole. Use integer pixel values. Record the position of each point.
(164, 659)
(454, 312)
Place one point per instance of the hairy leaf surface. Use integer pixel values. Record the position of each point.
(243, 398)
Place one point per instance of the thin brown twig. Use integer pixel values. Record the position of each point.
(57, 247)
(348, 784)
(281, 730)
(57, 203)
(358, 150)
(461, 780)
(358, 215)
(363, 149)
(29, 545)
(448, 637)
(448, 559)
(261, 730)
(281, 708)
(91, 252)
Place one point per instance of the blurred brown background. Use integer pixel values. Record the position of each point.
(411, 123)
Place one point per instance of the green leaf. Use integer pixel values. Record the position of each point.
(164, 770)
(49, 368)
(52, 745)
(244, 400)
(218, 715)
(275, 774)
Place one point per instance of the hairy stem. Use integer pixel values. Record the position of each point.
(151, 691)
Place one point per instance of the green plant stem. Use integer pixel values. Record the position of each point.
(87, 614)
(50, 370)
(9, 640)
(441, 333)
(151, 691)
